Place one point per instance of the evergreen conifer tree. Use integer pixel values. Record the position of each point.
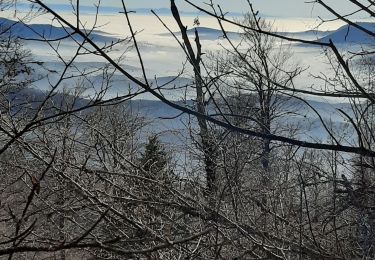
(154, 160)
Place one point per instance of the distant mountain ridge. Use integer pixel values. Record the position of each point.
(91, 9)
(165, 119)
(47, 31)
(306, 35)
(351, 35)
(206, 33)
(155, 107)
(346, 34)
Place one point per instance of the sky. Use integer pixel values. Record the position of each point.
(285, 8)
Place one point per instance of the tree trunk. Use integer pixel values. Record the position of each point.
(207, 143)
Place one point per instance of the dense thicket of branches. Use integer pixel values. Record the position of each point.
(81, 181)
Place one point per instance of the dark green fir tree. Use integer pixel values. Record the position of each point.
(154, 160)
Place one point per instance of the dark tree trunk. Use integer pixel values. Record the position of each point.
(207, 143)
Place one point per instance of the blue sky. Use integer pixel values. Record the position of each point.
(285, 8)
